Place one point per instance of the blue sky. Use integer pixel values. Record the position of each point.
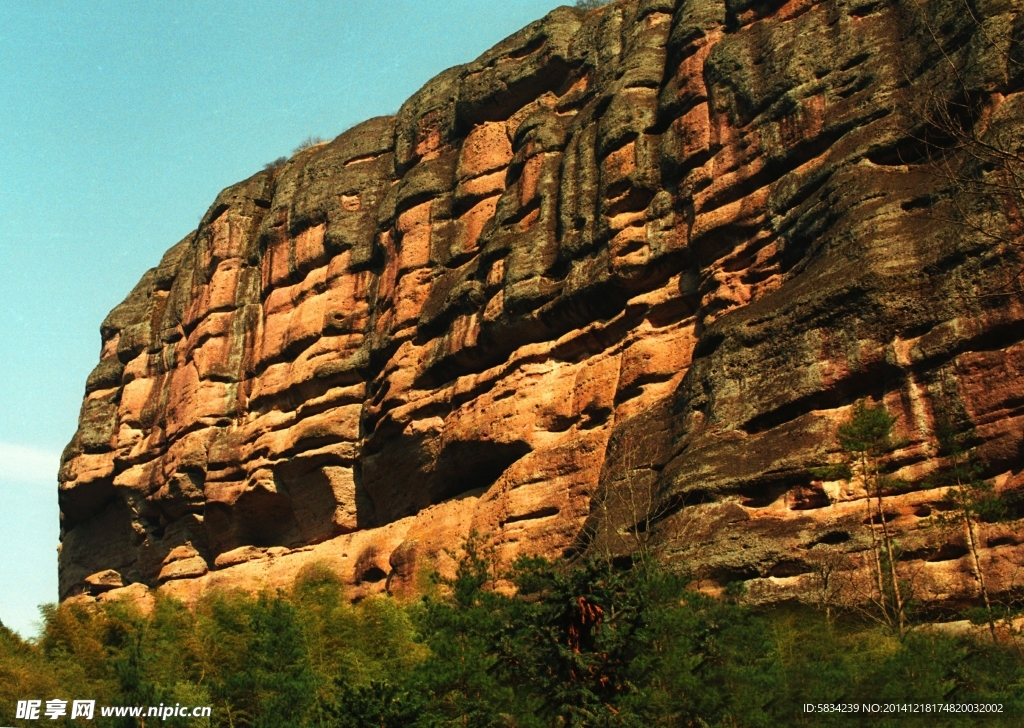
(119, 123)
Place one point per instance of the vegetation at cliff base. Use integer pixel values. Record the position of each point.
(590, 644)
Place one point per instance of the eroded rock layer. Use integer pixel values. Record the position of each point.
(653, 251)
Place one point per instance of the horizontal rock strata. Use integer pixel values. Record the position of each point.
(650, 253)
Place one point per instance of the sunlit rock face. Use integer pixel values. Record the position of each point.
(652, 251)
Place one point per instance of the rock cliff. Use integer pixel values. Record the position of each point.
(630, 266)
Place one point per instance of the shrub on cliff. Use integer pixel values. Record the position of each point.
(311, 141)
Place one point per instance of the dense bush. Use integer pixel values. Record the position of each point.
(582, 645)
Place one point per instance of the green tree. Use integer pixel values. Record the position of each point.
(462, 676)
(382, 704)
(972, 496)
(360, 655)
(575, 635)
(865, 439)
(276, 674)
(591, 643)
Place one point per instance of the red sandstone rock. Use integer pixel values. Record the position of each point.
(103, 581)
(138, 595)
(660, 246)
(239, 556)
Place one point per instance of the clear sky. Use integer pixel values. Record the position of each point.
(119, 123)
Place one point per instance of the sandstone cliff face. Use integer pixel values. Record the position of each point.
(655, 250)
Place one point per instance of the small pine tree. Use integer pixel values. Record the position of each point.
(865, 438)
(972, 496)
(277, 671)
(461, 680)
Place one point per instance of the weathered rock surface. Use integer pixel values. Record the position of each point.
(656, 250)
(103, 581)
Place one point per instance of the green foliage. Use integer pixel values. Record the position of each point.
(840, 471)
(591, 4)
(582, 636)
(868, 431)
(462, 678)
(971, 495)
(586, 644)
(820, 663)
(865, 438)
(23, 672)
(276, 681)
(383, 704)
